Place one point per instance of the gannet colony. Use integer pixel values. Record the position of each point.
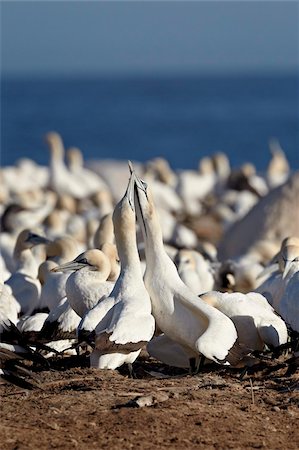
(111, 259)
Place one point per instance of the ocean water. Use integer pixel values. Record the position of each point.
(138, 118)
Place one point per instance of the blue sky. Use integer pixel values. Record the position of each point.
(148, 37)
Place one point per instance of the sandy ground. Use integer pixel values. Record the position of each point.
(78, 407)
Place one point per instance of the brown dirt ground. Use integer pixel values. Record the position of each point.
(78, 407)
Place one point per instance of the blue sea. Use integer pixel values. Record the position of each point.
(181, 118)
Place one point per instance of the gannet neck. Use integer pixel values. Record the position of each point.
(125, 231)
(125, 237)
(105, 232)
(56, 147)
(151, 230)
(26, 263)
(75, 159)
(24, 259)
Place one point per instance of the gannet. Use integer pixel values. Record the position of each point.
(256, 322)
(37, 334)
(61, 179)
(159, 169)
(128, 325)
(61, 323)
(59, 251)
(177, 310)
(87, 283)
(194, 271)
(25, 286)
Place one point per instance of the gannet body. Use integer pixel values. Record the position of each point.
(255, 320)
(61, 323)
(176, 309)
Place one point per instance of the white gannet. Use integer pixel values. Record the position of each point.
(34, 331)
(61, 323)
(159, 169)
(61, 179)
(25, 286)
(53, 286)
(194, 270)
(128, 325)
(87, 283)
(256, 322)
(59, 251)
(179, 313)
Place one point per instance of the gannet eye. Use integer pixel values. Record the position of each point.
(83, 261)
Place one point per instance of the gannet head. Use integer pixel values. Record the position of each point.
(289, 257)
(160, 169)
(62, 248)
(124, 212)
(110, 251)
(185, 260)
(55, 144)
(94, 260)
(28, 239)
(278, 163)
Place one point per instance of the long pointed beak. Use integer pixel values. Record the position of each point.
(130, 191)
(287, 268)
(36, 239)
(138, 182)
(71, 266)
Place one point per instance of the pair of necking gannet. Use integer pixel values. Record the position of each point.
(178, 312)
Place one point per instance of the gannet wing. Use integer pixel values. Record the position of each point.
(127, 330)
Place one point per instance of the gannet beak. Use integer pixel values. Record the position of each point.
(288, 264)
(130, 191)
(36, 239)
(138, 182)
(71, 266)
(267, 271)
